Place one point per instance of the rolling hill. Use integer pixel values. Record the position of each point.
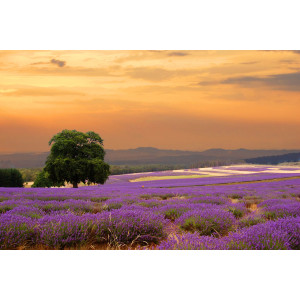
(146, 155)
(275, 159)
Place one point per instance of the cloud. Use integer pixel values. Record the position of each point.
(178, 53)
(288, 61)
(40, 63)
(241, 80)
(70, 71)
(150, 55)
(158, 74)
(151, 74)
(7, 91)
(282, 51)
(250, 63)
(39, 91)
(60, 63)
(289, 81)
(207, 83)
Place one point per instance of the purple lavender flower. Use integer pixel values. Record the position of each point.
(128, 213)
(274, 209)
(251, 220)
(273, 235)
(130, 226)
(61, 231)
(192, 241)
(215, 222)
(16, 231)
(27, 211)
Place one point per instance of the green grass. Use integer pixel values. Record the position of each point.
(151, 178)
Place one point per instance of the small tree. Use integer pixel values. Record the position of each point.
(43, 180)
(77, 157)
(11, 178)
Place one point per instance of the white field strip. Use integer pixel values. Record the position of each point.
(214, 172)
(226, 171)
(270, 169)
(282, 171)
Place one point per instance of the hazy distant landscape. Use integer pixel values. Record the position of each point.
(149, 155)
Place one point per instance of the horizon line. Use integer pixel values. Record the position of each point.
(149, 147)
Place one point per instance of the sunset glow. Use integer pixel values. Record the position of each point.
(190, 100)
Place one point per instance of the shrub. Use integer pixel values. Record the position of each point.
(3, 199)
(238, 210)
(291, 226)
(282, 209)
(146, 196)
(175, 210)
(167, 196)
(61, 231)
(207, 222)
(112, 205)
(173, 213)
(235, 196)
(191, 241)
(149, 204)
(43, 180)
(273, 235)
(16, 231)
(251, 220)
(5, 208)
(99, 199)
(27, 211)
(210, 200)
(11, 178)
(123, 227)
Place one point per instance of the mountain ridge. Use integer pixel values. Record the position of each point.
(145, 155)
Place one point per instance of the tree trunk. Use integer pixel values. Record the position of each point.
(75, 185)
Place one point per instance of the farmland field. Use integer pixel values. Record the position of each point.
(236, 207)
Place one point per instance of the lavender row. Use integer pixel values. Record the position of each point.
(282, 234)
(126, 215)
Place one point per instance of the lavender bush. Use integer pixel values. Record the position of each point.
(192, 241)
(273, 235)
(16, 232)
(253, 211)
(207, 222)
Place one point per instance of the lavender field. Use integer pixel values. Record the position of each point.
(243, 208)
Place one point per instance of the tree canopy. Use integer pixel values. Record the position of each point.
(11, 178)
(43, 180)
(77, 157)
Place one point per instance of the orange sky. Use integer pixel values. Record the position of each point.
(192, 100)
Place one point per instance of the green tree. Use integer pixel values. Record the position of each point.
(43, 180)
(30, 174)
(11, 178)
(77, 157)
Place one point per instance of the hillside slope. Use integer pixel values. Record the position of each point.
(275, 159)
(145, 155)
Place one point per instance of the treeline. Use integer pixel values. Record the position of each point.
(30, 175)
(11, 178)
(118, 170)
(274, 159)
(215, 163)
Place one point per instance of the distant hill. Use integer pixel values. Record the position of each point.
(23, 160)
(146, 155)
(275, 159)
(244, 153)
